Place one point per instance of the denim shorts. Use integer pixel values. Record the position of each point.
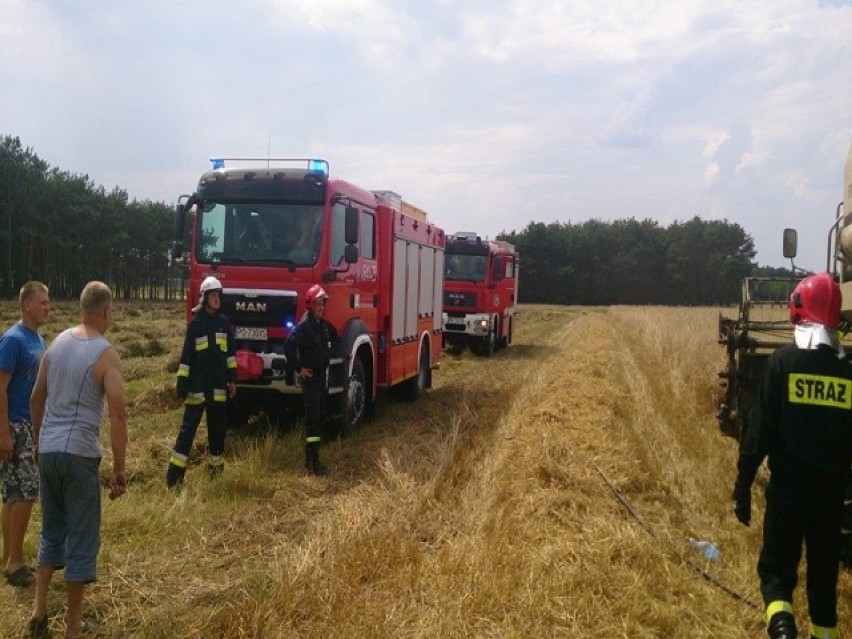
(70, 514)
(19, 477)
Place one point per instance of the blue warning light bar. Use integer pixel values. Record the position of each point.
(318, 166)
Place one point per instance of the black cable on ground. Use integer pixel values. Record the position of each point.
(697, 567)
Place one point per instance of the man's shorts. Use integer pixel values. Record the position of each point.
(19, 477)
(70, 514)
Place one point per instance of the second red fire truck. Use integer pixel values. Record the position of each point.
(271, 229)
(480, 293)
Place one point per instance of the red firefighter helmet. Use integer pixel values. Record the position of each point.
(816, 299)
(316, 292)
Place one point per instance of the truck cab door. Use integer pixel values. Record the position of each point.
(497, 269)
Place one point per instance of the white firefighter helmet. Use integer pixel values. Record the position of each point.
(209, 284)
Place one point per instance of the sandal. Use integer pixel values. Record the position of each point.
(87, 628)
(21, 578)
(39, 628)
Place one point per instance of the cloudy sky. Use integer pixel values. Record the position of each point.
(488, 114)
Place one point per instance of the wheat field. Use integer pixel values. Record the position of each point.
(544, 492)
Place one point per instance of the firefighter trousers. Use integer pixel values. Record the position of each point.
(808, 511)
(316, 409)
(217, 425)
(846, 554)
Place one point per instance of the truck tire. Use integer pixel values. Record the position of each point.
(353, 401)
(239, 412)
(503, 342)
(489, 343)
(455, 345)
(413, 388)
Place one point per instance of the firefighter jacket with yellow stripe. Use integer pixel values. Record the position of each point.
(207, 362)
(802, 418)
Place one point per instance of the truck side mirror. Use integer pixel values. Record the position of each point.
(350, 225)
(791, 240)
(350, 253)
(180, 216)
(176, 251)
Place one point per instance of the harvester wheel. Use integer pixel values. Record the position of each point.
(750, 371)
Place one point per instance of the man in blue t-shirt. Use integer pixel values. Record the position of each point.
(21, 349)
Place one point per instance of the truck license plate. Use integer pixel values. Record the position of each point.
(250, 332)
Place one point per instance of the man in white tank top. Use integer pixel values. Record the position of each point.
(76, 372)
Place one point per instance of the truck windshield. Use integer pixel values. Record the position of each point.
(240, 233)
(465, 267)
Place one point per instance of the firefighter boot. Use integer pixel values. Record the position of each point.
(174, 475)
(782, 625)
(215, 466)
(312, 460)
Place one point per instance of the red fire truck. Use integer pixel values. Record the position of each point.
(273, 228)
(480, 293)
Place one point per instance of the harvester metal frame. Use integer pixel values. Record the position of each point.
(748, 343)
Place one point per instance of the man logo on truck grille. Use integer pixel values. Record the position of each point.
(819, 390)
(256, 307)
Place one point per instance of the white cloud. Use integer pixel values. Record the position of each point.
(491, 113)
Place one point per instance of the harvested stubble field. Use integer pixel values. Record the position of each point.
(544, 492)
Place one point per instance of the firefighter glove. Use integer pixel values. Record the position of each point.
(742, 503)
(181, 387)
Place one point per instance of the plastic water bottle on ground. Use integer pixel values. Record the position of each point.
(706, 548)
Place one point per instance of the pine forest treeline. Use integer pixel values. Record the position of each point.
(64, 230)
(631, 262)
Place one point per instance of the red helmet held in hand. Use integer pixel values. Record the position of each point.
(315, 293)
(816, 299)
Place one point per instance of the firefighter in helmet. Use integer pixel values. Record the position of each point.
(801, 421)
(206, 377)
(308, 351)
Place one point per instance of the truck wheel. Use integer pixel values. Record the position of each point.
(503, 342)
(413, 388)
(238, 412)
(489, 343)
(354, 400)
(455, 345)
